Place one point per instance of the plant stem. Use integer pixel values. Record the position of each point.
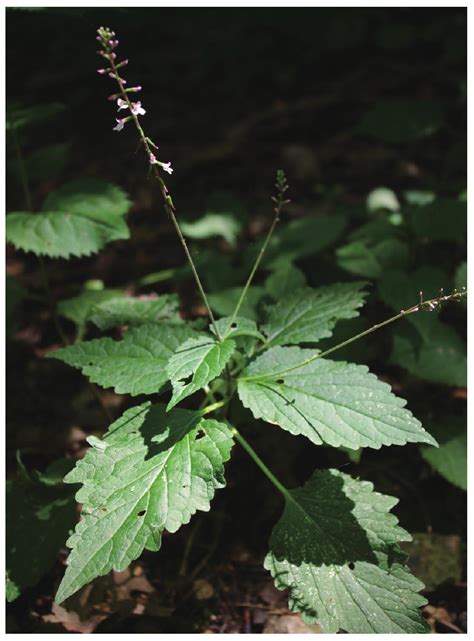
(212, 408)
(427, 305)
(279, 206)
(255, 457)
(167, 200)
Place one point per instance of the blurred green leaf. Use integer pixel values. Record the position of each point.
(19, 117)
(401, 121)
(432, 350)
(418, 197)
(299, 238)
(213, 224)
(450, 460)
(47, 163)
(382, 198)
(371, 260)
(39, 517)
(225, 302)
(442, 219)
(78, 309)
(284, 280)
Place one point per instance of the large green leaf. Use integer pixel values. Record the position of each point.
(336, 550)
(151, 472)
(450, 459)
(310, 314)
(136, 311)
(201, 359)
(78, 220)
(39, 517)
(135, 365)
(327, 401)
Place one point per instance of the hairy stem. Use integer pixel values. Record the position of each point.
(428, 305)
(255, 457)
(167, 200)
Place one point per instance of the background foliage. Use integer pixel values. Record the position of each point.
(366, 111)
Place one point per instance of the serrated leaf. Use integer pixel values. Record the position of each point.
(39, 517)
(327, 401)
(336, 550)
(78, 309)
(310, 314)
(136, 311)
(78, 220)
(154, 471)
(284, 280)
(134, 365)
(202, 359)
(238, 327)
(450, 459)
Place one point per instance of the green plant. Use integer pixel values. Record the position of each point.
(336, 545)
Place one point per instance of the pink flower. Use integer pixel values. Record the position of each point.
(166, 166)
(134, 89)
(120, 124)
(137, 109)
(153, 160)
(122, 104)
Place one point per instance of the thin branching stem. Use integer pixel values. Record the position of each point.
(428, 305)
